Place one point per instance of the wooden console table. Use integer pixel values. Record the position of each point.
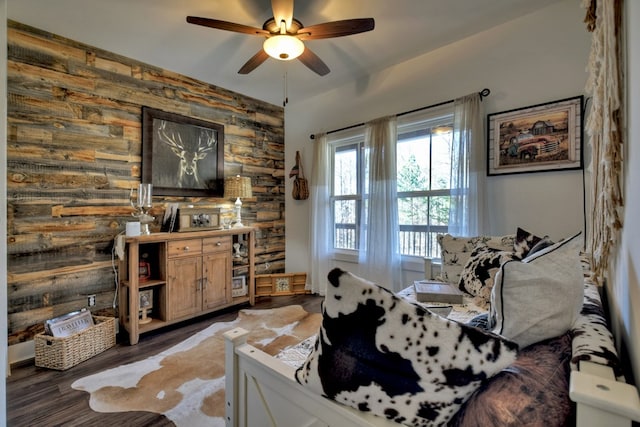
(166, 278)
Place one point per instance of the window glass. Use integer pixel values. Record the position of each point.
(345, 224)
(413, 164)
(441, 167)
(345, 170)
(423, 180)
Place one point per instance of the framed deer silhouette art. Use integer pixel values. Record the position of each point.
(182, 156)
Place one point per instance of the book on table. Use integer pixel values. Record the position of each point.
(435, 291)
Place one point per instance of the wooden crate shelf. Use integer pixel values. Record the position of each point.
(280, 284)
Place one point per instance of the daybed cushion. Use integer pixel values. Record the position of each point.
(592, 339)
(540, 297)
(455, 252)
(380, 353)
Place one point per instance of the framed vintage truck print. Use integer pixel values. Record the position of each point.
(182, 156)
(539, 138)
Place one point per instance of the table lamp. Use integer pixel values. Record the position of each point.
(237, 187)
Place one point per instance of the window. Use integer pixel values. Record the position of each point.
(346, 194)
(424, 168)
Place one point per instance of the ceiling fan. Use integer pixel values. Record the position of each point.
(285, 36)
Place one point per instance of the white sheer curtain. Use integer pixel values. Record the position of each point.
(467, 214)
(321, 229)
(379, 242)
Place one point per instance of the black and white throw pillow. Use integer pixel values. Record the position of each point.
(388, 356)
(479, 272)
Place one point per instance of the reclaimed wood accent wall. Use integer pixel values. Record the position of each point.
(74, 153)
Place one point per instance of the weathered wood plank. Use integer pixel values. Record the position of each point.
(97, 279)
(108, 65)
(55, 242)
(13, 278)
(74, 153)
(29, 40)
(21, 103)
(36, 225)
(59, 211)
(274, 120)
(259, 170)
(49, 152)
(29, 202)
(35, 73)
(262, 216)
(63, 171)
(180, 81)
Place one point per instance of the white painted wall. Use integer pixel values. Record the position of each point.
(625, 285)
(538, 58)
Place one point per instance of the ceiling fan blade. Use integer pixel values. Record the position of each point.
(228, 26)
(336, 29)
(314, 62)
(254, 62)
(282, 11)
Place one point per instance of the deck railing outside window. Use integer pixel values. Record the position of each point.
(415, 240)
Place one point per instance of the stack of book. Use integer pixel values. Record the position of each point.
(435, 291)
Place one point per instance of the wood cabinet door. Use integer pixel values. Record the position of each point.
(185, 286)
(216, 279)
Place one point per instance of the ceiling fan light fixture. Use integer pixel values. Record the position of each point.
(283, 47)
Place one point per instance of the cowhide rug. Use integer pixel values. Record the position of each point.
(186, 382)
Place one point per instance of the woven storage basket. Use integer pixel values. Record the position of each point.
(65, 352)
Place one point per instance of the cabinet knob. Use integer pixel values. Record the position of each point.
(219, 244)
(186, 248)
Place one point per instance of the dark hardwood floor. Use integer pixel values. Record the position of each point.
(44, 397)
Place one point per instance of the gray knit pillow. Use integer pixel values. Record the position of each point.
(540, 297)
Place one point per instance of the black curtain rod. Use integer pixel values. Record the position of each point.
(483, 94)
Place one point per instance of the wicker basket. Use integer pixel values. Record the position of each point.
(65, 352)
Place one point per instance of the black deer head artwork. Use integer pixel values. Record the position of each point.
(189, 149)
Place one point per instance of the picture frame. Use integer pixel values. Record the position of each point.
(145, 306)
(196, 219)
(239, 286)
(145, 299)
(182, 156)
(538, 138)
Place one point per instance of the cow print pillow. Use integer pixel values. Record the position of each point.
(456, 250)
(524, 242)
(480, 271)
(385, 355)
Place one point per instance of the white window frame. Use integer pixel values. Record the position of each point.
(434, 117)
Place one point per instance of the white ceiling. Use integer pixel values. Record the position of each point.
(155, 32)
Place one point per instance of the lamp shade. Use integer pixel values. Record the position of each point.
(237, 187)
(283, 47)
